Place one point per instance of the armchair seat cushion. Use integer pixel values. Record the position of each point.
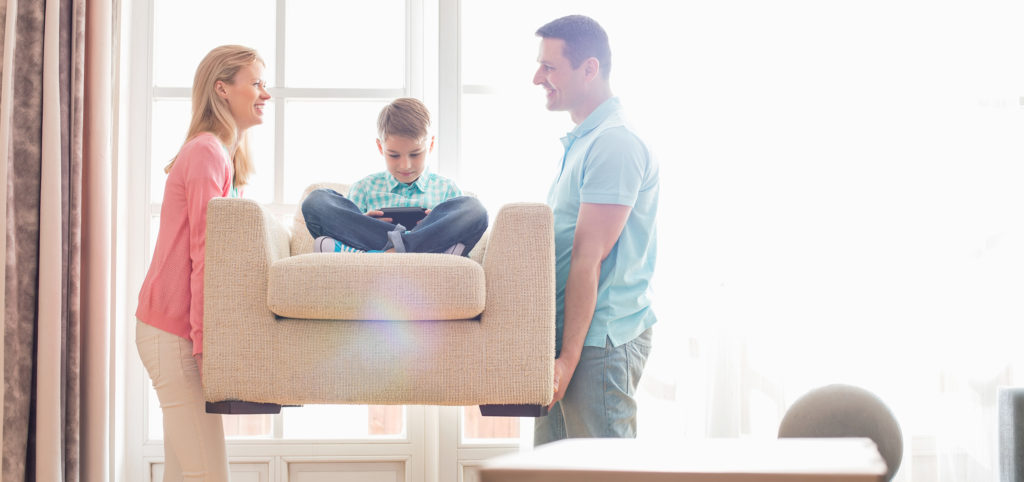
(376, 286)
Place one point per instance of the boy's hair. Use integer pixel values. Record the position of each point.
(405, 117)
(584, 38)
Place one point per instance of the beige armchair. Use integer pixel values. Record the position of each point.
(287, 326)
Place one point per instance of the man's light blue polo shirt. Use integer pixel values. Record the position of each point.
(605, 162)
(382, 190)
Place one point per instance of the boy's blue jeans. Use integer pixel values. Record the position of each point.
(460, 219)
(600, 401)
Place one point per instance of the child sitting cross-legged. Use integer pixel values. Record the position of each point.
(454, 223)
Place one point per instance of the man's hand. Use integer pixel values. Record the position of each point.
(563, 374)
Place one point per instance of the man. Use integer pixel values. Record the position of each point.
(605, 201)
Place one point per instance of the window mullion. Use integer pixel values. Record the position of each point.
(279, 102)
(413, 60)
(449, 88)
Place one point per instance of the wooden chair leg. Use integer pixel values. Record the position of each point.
(237, 407)
(513, 410)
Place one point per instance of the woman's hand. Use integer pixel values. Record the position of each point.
(199, 363)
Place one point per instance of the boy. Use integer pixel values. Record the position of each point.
(453, 225)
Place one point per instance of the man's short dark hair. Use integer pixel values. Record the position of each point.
(584, 38)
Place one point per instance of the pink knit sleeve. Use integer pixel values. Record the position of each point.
(208, 175)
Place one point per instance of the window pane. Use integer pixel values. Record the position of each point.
(386, 419)
(343, 421)
(154, 227)
(182, 37)
(329, 141)
(477, 428)
(235, 426)
(248, 426)
(505, 51)
(261, 146)
(345, 44)
(155, 419)
(496, 52)
(170, 124)
(526, 168)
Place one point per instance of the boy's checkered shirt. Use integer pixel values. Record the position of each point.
(382, 190)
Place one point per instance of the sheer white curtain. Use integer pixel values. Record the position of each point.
(840, 207)
(840, 202)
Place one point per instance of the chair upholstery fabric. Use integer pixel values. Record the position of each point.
(347, 286)
(315, 355)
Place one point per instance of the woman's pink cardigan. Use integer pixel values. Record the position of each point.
(171, 298)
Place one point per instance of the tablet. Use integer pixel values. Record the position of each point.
(406, 216)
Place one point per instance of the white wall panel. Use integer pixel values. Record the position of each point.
(240, 472)
(347, 471)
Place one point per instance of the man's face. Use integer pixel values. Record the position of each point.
(564, 84)
(406, 158)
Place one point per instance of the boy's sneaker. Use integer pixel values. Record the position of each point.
(326, 244)
(456, 249)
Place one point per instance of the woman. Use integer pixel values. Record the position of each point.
(228, 95)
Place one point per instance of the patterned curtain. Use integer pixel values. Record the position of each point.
(48, 310)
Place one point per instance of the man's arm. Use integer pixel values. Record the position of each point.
(598, 227)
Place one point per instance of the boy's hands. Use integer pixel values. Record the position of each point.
(377, 215)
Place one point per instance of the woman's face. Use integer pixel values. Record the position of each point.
(246, 96)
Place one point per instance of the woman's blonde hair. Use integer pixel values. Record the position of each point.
(210, 113)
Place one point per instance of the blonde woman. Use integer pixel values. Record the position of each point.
(228, 97)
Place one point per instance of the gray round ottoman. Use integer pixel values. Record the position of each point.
(846, 411)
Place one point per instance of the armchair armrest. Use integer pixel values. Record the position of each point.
(242, 240)
(519, 317)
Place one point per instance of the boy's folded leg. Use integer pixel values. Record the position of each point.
(326, 244)
(456, 249)
(323, 244)
(395, 240)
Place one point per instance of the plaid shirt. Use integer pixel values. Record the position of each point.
(382, 190)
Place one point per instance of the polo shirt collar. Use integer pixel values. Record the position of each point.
(421, 183)
(595, 118)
